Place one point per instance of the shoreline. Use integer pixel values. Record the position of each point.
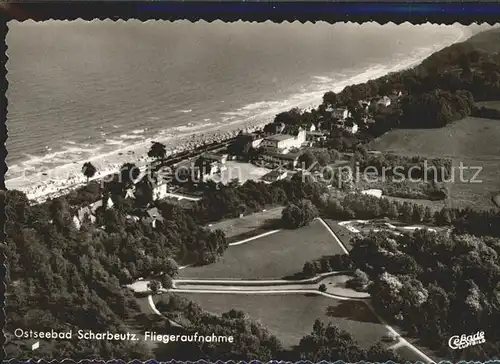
(57, 181)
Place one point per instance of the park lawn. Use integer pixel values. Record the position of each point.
(489, 104)
(274, 256)
(291, 316)
(245, 225)
(472, 142)
(344, 235)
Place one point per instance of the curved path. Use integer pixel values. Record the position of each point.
(279, 286)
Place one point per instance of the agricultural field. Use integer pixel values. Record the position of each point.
(471, 142)
(291, 316)
(274, 256)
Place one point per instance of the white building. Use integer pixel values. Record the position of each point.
(353, 129)
(85, 213)
(315, 136)
(256, 143)
(274, 159)
(275, 175)
(341, 113)
(160, 191)
(383, 101)
(364, 105)
(284, 142)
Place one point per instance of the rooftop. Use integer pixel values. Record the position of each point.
(275, 173)
(288, 156)
(280, 137)
(154, 214)
(213, 156)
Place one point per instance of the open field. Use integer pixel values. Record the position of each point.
(471, 142)
(273, 256)
(291, 316)
(489, 104)
(249, 223)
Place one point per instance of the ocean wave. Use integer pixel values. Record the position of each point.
(187, 111)
(114, 142)
(322, 79)
(128, 136)
(139, 131)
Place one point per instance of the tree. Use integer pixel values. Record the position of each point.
(129, 172)
(89, 170)
(322, 287)
(154, 286)
(166, 281)
(157, 151)
(297, 215)
(360, 281)
(330, 98)
(309, 269)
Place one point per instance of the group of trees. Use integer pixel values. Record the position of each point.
(436, 285)
(297, 215)
(436, 108)
(394, 165)
(314, 158)
(231, 200)
(59, 275)
(328, 342)
(252, 341)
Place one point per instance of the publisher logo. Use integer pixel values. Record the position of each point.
(464, 341)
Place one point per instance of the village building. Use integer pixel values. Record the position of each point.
(182, 172)
(160, 191)
(90, 212)
(382, 101)
(351, 128)
(275, 159)
(340, 113)
(255, 139)
(210, 163)
(220, 159)
(130, 193)
(364, 105)
(275, 128)
(275, 175)
(316, 136)
(282, 143)
(152, 217)
(348, 126)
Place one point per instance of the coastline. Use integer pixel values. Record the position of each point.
(44, 184)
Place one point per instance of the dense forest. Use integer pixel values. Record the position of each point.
(436, 285)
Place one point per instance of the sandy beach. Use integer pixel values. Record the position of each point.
(40, 185)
